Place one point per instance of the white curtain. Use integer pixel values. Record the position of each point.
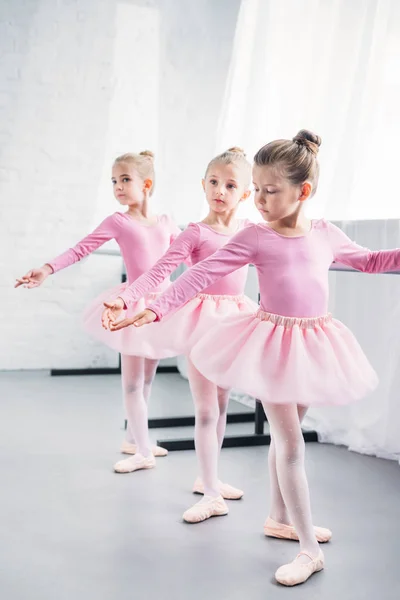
(332, 66)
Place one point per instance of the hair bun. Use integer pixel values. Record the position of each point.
(309, 140)
(237, 150)
(148, 153)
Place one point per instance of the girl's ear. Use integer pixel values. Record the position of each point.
(148, 184)
(306, 190)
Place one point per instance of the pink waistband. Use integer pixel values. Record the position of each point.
(303, 323)
(217, 297)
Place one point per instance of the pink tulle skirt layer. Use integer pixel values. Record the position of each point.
(285, 360)
(172, 336)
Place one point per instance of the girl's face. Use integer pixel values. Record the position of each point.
(224, 187)
(129, 187)
(274, 196)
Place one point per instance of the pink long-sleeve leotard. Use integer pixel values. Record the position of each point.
(196, 243)
(141, 245)
(292, 271)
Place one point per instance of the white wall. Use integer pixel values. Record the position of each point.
(61, 102)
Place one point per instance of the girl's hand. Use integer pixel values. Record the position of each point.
(143, 318)
(34, 277)
(112, 311)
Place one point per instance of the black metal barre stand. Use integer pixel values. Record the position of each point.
(258, 438)
(105, 370)
(189, 421)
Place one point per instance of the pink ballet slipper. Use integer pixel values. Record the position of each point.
(135, 463)
(228, 492)
(297, 572)
(127, 448)
(287, 532)
(205, 509)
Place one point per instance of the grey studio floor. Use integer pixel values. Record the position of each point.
(71, 529)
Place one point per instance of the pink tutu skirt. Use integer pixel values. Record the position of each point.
(172, 336)
(285, 360)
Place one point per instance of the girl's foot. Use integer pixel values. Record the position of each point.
(135, 463)
(301, 569)
(127, 448)
(206, 508)
(287, 532)
(228, 492)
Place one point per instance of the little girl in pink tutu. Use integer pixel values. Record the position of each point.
(142, 239)
(290, 353)
(226, 185)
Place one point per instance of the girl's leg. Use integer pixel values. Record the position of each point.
(210, 409)
(278, 524)
(130, 446)
(278, 511)
(207, 449)
(150, 369)
(285, 427)
(133, 378)
(205, 399)
(227, 491)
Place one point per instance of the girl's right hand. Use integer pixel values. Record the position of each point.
(112, 311)
(34, 277)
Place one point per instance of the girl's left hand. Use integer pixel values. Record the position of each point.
(143, 318)
(113, 309)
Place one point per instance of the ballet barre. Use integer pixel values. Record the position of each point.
(338, 267)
